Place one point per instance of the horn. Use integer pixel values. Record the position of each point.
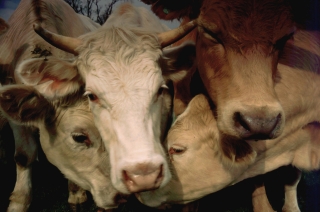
(68, 44)
(169, 37)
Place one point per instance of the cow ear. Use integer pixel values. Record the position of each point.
(3, 26)
(170, 10)
(23, 104)
(178, 61)
(52, 77)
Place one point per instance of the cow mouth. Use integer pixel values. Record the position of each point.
(144, 181)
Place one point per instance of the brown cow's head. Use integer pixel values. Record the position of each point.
(238, 46)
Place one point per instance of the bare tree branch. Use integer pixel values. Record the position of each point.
(93, 9)
(98, 9)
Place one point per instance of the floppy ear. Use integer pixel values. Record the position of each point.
(178, 61)
(24, 104)
(3, 26)
(169, 10)
(52, 77)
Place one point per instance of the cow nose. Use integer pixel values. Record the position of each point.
(143, 177)
(257, 127)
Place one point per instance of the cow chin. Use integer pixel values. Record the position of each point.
(113, 201)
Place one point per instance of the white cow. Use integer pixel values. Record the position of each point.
(125, 73)
(19, 42)
(205, 160)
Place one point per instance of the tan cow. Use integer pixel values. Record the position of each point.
(68, 137)
(19, 42)
(124, 72)
(238, 46)
(205, 160)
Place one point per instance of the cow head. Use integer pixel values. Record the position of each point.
(125, 75)
(238, 46)
(192, 144)
(68, 137)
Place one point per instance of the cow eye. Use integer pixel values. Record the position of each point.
(160, 92)
(212, 35)
(81, 138)
(177, 150)
(91, 96)
(161, 89)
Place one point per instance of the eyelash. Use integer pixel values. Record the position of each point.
(92, 97)
(81, 138)
(212, 35)
(161, 89)
(177, 151)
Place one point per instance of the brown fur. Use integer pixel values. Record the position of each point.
(248, 29)
(251, 22)
(18, 102)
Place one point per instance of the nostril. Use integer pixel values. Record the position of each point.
(276, 125)
(240, 122)
(126, 177)
(160, 175)
(256, 126)
(143, 177)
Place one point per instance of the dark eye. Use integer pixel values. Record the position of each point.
(212, 35)
(161, 89)
(176, 150)
(81, 138)
(91, 96)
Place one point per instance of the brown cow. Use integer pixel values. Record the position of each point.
(212, 161)
(238, 46)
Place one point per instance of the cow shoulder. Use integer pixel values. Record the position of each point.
(52, 77)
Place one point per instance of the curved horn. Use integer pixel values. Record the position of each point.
(169, 37)
(65, 43)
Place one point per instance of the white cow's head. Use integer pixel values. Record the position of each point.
(68, 137)
(125, 74)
